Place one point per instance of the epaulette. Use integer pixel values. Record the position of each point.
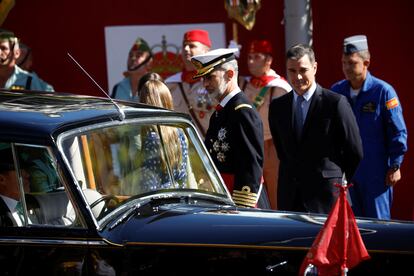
(242, 105)
(245, 197)
(17, 87)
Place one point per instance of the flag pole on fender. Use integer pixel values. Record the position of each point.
(339, 245)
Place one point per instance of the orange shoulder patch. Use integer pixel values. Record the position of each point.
(393, 103)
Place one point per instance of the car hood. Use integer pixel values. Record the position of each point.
(184, 224)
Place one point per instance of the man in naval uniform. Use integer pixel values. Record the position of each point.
(261, 87)
(234, 137)
(12, 76)
(138, 64)
(189, 95)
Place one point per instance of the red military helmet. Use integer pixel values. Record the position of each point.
(260, 46)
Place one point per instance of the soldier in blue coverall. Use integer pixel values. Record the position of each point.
(12, 76)
(382, 128)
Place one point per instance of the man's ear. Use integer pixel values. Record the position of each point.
(269, 59)
(16, 53)
(230, 74)
(367, 62)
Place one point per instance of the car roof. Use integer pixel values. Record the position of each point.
(41, 115)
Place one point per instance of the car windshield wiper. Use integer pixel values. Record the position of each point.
(125, 216)
(166, 199)
(153, 201)
(188, 198)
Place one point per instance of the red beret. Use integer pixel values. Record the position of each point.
(198, 35)
(260, 46)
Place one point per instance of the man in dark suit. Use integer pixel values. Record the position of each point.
(316, 137)
(234, 136)
(10, 212)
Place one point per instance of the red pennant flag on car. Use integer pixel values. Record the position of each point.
(338, 246)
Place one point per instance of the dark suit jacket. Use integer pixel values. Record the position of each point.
(330, 146)
(6, 217)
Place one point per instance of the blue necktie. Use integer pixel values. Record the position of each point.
(298, 117)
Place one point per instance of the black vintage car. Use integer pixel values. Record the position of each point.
(106, 198)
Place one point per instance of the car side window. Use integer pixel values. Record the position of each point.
(11, 185)
(45, 200)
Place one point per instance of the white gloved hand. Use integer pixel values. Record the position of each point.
(233, 44)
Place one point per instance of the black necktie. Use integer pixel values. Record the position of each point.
(298, 117)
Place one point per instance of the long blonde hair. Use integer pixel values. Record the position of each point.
(155, 92)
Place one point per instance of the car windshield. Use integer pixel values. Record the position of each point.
(115, 162)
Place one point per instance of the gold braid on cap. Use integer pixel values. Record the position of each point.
(244, 197)
(202, 71)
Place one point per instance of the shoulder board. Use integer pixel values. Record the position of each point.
(242, 105)
(245, 197)
(17, 87)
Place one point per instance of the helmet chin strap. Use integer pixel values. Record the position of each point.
(4, 61)
(140, 65)
(12, 44)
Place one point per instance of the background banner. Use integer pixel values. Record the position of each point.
(119, 39)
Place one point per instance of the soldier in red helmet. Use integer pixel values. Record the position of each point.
(261, 87)
(189, 95)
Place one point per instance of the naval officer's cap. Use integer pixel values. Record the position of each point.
(354, 44)
(209, 61)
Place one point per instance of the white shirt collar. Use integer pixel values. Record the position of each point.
(308, 94)
(229, 96)
(10, 202)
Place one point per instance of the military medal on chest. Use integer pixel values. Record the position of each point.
(204, 102)
(220, 146)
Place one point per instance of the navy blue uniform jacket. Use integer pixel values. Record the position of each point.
(234, 140)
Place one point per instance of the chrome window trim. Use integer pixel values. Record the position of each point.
(53, 242)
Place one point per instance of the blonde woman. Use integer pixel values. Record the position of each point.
(165, 147)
